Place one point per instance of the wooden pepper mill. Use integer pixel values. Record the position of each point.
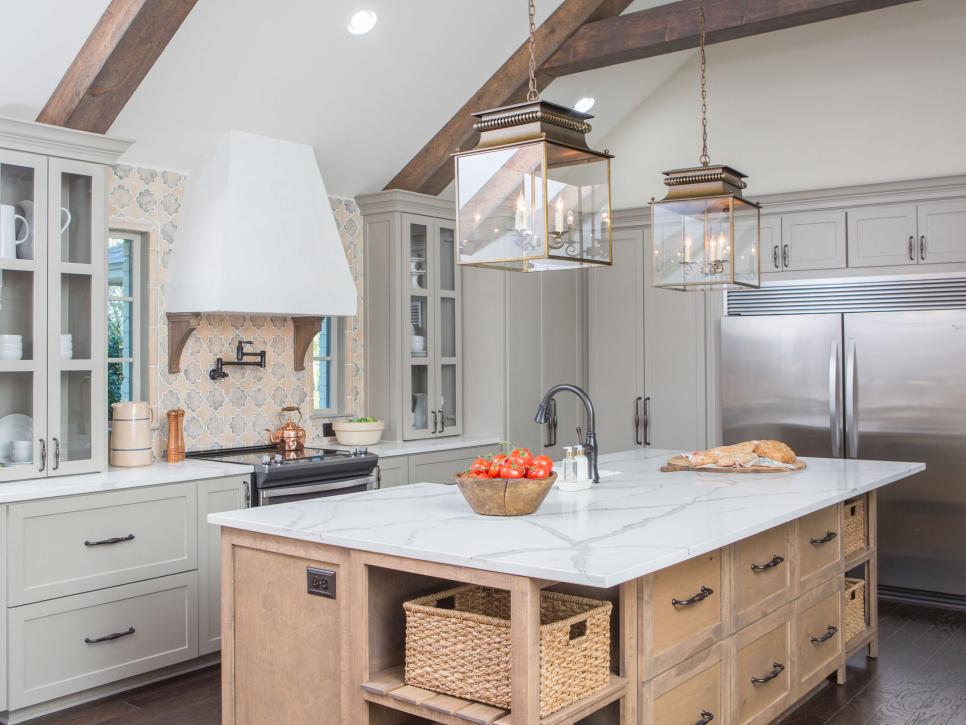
(176, 450)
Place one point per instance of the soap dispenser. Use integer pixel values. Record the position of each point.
(569, 465)
(582, 465)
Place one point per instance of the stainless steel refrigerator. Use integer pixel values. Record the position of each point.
(887, 385)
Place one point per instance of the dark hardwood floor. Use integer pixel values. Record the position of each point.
(919, 679)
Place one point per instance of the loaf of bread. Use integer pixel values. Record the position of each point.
(775, 450)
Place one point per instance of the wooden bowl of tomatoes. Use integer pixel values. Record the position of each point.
(507, 484)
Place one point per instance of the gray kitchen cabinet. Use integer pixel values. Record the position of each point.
(442, 466)
(413, 315)
(214, 495)
(65, 645)
(545, 328)
(813, 240)
(615, 342)
(771, 243)
(393, 471)
(3, 612)
(882, 236)
(942, 231)
(63, 546)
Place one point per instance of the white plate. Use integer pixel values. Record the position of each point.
(5, 461)
(14, 427)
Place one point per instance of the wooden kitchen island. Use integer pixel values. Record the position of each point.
(765, 555)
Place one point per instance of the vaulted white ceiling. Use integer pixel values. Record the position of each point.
(289, 69)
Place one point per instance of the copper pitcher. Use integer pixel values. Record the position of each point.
(291, 436)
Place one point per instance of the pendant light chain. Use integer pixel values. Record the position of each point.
(705, 159)
(532, 94)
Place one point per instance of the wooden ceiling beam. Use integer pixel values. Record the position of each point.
(117, 55)
(431, 169)
(674, 26)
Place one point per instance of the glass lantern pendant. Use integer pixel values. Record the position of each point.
(704, 234)
(531, 196)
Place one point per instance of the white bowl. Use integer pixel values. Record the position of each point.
(358, 434)
(11, 339)
(11, 354)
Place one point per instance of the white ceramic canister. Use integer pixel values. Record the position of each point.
(131, 434)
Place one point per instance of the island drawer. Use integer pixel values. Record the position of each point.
(764, 681)
(762, 574)
(695, 691)
(686, 610)
(64, 546)
(821, 645)
(818, 545)
(73, 643)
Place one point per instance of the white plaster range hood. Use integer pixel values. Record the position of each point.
(257, 236)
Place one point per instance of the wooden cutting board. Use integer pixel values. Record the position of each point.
(681, 463)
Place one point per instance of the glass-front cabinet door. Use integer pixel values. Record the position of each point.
(23, 315)
(76, 318)
(449, 383)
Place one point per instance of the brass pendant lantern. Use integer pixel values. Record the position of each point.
(531, 196)
(704, 234)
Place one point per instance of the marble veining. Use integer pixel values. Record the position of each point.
(631, 524)
(115, 479)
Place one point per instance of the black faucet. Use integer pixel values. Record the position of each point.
(590, 443)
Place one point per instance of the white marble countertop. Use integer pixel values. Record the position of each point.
(629, 525)
(389, 449)
(114, 479)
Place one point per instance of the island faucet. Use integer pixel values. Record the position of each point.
(590, 443)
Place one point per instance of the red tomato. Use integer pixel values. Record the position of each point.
(495, 469)
(521, 456)
(543, 461)
(510, 471)
(480, 465)
(538, 472)
(499, 458)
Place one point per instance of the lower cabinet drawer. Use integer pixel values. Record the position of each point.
(73, 643)
(762, 574)
(764, 681)
(685, 610)
(75, 544)
(696, 691)
(818, 545)
(820, 636)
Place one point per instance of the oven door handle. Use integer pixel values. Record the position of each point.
(273, 492)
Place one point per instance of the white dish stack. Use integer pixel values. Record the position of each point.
(67, 347)
(11, 347)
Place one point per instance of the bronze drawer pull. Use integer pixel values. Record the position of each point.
(706, 717)
(829, 535)
(775, 561)
(109, 637)
(830, 632)
(777, 670)
(699, 597)
(114, 540)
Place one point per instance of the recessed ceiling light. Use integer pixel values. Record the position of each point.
(362, 22)
(584, 104)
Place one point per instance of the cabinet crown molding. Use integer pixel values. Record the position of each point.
(393, 200)
(68, 143)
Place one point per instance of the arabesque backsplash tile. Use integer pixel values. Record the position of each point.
(234, 411)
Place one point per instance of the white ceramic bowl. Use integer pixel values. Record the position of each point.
(11, 339)
(358, 434)
(20, 451)
(11, 354)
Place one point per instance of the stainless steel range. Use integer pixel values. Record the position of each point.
(298, 475)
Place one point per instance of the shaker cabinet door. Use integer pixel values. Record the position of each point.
(882, 236)
(942, 231)
(813, 240)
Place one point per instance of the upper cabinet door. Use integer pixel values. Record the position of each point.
(881, 236)
(77, 243)
(449, 372)
(942, 231)
(420, 412)
(813, 240)
(23, 314)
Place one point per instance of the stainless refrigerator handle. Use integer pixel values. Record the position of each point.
(834, 400)
(851, 418)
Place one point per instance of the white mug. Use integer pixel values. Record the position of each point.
(8, 231)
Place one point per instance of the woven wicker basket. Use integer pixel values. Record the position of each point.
(854, 608)
(856, 538)
(458, 643)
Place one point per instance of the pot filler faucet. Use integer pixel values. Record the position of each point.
(590, 443)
